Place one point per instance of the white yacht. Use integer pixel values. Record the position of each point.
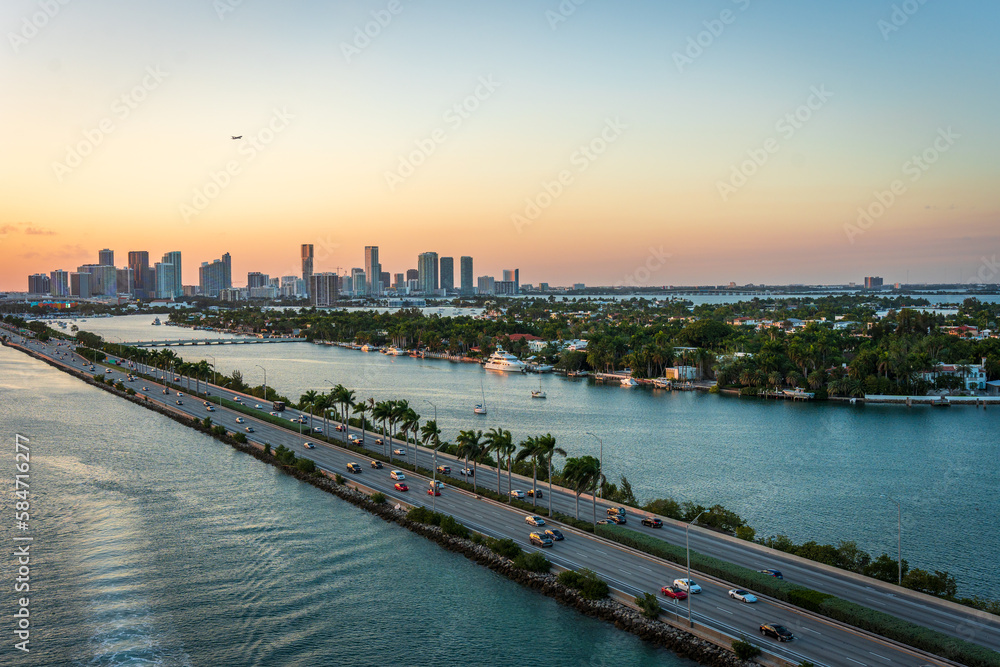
(504, 361)
(629, 382)
(395, 351)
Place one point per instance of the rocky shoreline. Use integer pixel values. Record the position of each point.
(623, 617)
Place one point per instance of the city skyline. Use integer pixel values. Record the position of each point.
(758, 143)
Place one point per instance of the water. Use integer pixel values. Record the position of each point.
(812, 471)
(157, 545)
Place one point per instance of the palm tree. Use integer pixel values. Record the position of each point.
(383, 410)
(345, 397)
(529, 450)
(470, 446)
(411, 423)
(547, 449)
(497, 441)
(430, 432)
(307, 398)
(582, 473)
(324, 403)
(361, 409)
(397, 412)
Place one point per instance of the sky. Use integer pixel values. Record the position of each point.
(641, 143)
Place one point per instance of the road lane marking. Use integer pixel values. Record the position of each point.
(811, 630)
(725, 610)
(880, 656)
(857, 661)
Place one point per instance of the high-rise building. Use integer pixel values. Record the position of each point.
(307, 264)
(174, 258)
(103, 279)
(399, 281)
(412, 274)
(39, 283)
(59, 283)
(508, 275)
(468, 287)
(106, 257)
(346, 284)
(149, 280)
(505, 287)
(288, 286)
(215, 277)
(384, 280)
(873, 282)
(138, 261)
(79, 284)
(165, 280)
(373, 270)
(125, 280)
(257, 279)
(447, 273)
(324, 289)
(427, 272)
(517, 281)
(543, 287)
(359, 282)
(485, 285)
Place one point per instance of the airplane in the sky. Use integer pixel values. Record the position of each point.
(239, 137)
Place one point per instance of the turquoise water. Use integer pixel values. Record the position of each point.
(157, 545)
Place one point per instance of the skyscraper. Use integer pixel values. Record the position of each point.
(307, 264)
(106, 257)
(215, 277)
(138, 261)
(174, 258)
(257, 279)
(125, 280)
(79, 284)
(447, 273)
(468, 287)
(399, 281)
(358, 282)
(412, 274)
(373, 270)
(324, 289)
(39, 283)
(59, 283)
(486, 285)
(427, 278)
(165, 280)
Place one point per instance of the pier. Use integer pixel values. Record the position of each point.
(212, 341)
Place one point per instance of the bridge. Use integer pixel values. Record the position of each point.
(212, 341)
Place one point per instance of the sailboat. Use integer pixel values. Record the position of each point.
(539, 393)
(481, 408)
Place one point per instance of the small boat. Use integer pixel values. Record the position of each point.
(629, 382)
(367, 348)
(395, 351)
(539, 393)
(481, 408)
(156, 322)
(661, 383)
(798, 393)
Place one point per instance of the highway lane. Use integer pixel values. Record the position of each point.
(629, 571)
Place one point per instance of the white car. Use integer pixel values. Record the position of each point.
(258, 406)
(399, 451)
(515, 493)
(467, 472)
(309, 445)
(354, 439)
(317, 429)
(742, 595)
(687, 585)
(180, 394)
(534, 520)
(397, 475)
(240, 420)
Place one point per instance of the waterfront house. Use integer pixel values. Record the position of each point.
(973, 375)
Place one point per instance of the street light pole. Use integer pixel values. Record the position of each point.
(602, 460)
(215, 378)
(434, 482)
(687, 546)
(265, 379)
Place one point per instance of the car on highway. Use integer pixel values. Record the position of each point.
(317, 429)
(338, 427)
(379, 441)
(399, 451)
(742, 595)
(240, 420)
(309, 445)
(145, 388)
(467, 472)
(779, 632)
(534, 493)
(616, 511)
(165, 391)
(444, 470)
(674, 593)
(540, 539)
(555, 534)
(399, 486)
(772, 573)
(180, 394)
(210, 409)
(354, 439)
(377, 465)
(237, 399)
(688, 585)
(353, 467)
(397, 475)
(433, 492)
(205, 403)
(274, 414)
(107, 370)
(605, 522)
(434, 482)
(618, 518)
(534, 520)
(257, 406)
(180, 402)
(652, 522)
(516, 493)
(249, 429)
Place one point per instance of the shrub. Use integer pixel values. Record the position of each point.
(305, 465)
(219, 430)
(449, 526)
(744, 650)
(648, 605)
(240, 438)
(378, 498)
(587, 526)
(590, 586)
(505, 547)
(533, 562)
(339, 479)
(477, 538)
(267, 448)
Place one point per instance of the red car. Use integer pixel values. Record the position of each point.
(674, 593)
(433, 492)
(399, 486)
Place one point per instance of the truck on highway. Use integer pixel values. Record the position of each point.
(278, 406)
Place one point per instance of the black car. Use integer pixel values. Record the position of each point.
(779, 632)
(555, 534)
(772, 573)
(534, 493)
(618, 518)
(652, 522)
(377, 465)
